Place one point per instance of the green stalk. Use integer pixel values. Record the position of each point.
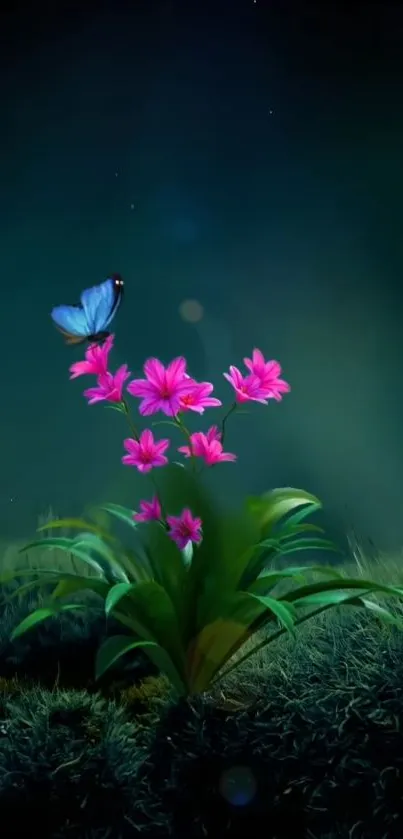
(232, 409)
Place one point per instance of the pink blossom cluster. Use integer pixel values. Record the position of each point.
(172, 391)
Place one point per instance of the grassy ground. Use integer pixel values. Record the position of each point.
(311, 727)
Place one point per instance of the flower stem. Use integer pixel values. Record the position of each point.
(186, 432)
(224, 421)
(133, 429)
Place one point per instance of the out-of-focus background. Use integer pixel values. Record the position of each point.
(246, 155)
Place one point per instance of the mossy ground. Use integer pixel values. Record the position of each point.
(317, 722)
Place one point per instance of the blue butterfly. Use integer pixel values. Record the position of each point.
(90, 320)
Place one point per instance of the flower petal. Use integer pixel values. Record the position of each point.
(185, 450)
(131, 445)
(154, 370)
(147, 439)
(175, 373)
(161, 446)
(170, 407)
(80, 368)
(150, 405)
(141, 387)
(122, 373)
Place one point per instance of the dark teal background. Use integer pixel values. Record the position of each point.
(248, 155)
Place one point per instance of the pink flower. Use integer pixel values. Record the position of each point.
(96, 360)
(145, 453)
(198, 398)
(208, 447)
(268, 372)
(247, 388)
(109, 387)
(184, 528)
(213, 433)
(162, 388)
(150, 510)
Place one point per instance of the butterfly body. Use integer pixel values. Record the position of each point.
(89, 320)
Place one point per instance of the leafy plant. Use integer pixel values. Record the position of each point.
(195, 587)
(191, 619)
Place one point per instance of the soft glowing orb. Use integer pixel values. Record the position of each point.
(238, 785)
(191, 310)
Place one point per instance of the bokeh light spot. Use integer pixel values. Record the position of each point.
(191, 311)
(238, 785)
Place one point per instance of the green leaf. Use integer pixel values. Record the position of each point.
(116, 594)
(306, 544)
(118, 406)
(40, 615)
(325, 598)
(113, 564)
(382, 613)
(271, 507)
(217, 641)
(122, 513)
(150, 605)
(268, 580)
(295, 523)
(139, 565)
(68, 545)
(168, 565)
(288, 532)
(71, 584)
(142, 567)
(303, 544)
(74, 524)
(274, 547)
(134, 562)
(362, 585)
(66, 584)
(113, 649)
(268, 511)
(39, 582)
(221, 637)
(93, 550)
(218, 565)
(165, 422)
(63, 543)
(9, 576)
(282, 611)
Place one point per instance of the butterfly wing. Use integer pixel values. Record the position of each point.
(72, 322)
(100, 304)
